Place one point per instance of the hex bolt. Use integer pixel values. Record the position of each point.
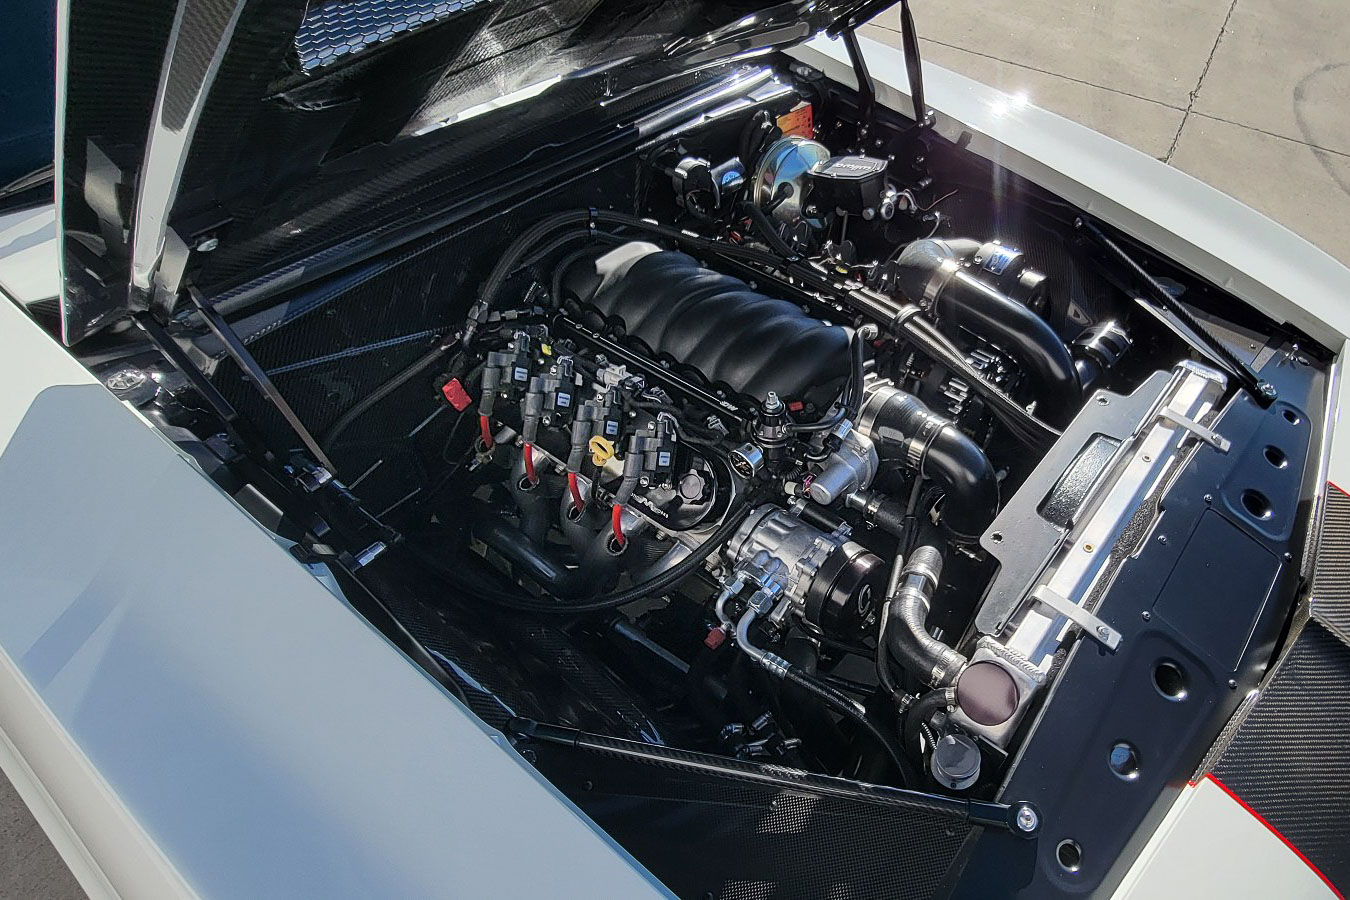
(1146, 615)
(1103, 632)
(1027, 820)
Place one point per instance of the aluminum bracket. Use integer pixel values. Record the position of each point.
(1091, 625)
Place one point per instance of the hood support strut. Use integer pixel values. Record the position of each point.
(235, 347)
(846, 29)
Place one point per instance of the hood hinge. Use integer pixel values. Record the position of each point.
(846, 29)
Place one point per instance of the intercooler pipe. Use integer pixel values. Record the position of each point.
(906, 431)
(907, 637)
(933, 273)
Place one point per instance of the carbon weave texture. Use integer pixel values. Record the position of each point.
(329, 345)
(1331, 579)
(1290, 759)
(204, 25)
(718, 836)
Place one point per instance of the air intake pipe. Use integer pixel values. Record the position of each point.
(905, 431)
(980, 287)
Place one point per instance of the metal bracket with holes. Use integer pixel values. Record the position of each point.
(1208, 435)
(1091, 625)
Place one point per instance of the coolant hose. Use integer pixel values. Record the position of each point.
(931, 271)
(907, 637)
(907, 432)
(919, 714)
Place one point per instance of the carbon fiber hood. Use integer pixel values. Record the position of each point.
(196, 128)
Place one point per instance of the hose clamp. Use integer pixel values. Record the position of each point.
(916, 448)
(937, 281)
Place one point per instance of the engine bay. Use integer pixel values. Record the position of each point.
(794, 436)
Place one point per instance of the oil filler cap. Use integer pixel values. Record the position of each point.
(602, 449)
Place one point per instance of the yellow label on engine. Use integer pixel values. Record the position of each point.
(601, 450)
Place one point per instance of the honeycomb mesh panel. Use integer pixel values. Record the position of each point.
(339, 28)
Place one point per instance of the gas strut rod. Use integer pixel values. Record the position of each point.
(909, 39)
(1200, 338)
(235, 347)
(867, 90)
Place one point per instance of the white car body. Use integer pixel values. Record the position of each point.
(165, 799)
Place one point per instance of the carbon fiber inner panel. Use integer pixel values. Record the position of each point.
(1289, 760)
(1331, 578)
(714, 835)
(328, 345)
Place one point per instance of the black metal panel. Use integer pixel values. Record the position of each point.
(1209, 592)
(717, 836)
(1290, 758)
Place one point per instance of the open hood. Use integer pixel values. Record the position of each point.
(206, 142)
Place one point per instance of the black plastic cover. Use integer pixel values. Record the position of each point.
(733, 336)
(846, 184)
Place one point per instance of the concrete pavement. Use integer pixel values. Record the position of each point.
(29, 865)
(1251, 96)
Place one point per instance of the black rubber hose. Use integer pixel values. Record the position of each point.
(968, 480)
(898, 420)
(907, 637)
(846, 707)
(857, 360)
(400, 378)
(521, 602)
(969, 303)
(764, 227)
(919, 714)
(883, 660)
(1020, 423)
(932, 269)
